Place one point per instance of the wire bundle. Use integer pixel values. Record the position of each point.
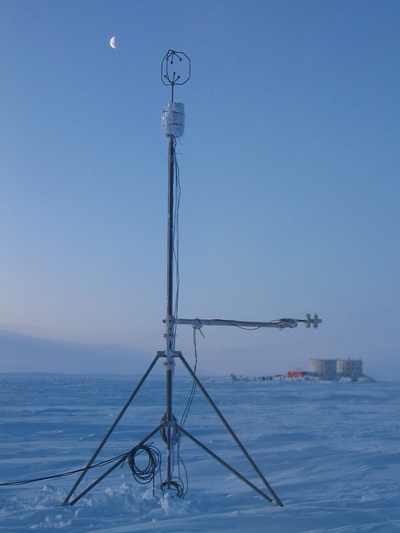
(64, 474)
(147, 474)
(177, 485)
(175, 236)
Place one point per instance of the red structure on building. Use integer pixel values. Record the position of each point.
(297, 374)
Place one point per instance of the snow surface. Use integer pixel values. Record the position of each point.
(330, 450)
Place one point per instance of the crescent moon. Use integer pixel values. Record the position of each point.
(112, 42)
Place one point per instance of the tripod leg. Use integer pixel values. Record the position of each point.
(225, 464)
(105, 474)
(230, 430)
(96, 453)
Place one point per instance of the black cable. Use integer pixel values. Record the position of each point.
(247, 328)
(175, 484)
(63, 474)
(183, 487)
(141, 475)
(251, 328)
(148, 473)
(178, 484)
(175, 236)
(193, 390)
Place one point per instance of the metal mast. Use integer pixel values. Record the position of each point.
(171, 432)
(173, 126)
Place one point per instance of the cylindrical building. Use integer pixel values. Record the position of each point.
(324, 368)
(349, 368)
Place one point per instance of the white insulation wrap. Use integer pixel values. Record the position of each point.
(173, 119)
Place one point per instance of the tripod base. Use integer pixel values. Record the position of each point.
(170, 429)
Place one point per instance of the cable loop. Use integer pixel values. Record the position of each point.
(148, 473)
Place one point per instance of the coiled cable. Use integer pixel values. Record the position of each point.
(146, 474)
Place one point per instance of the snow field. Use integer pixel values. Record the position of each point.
(329, 450)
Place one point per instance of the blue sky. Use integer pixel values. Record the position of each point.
(289, 172)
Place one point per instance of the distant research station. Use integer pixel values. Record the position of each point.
(325, 369)
(331, 369)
